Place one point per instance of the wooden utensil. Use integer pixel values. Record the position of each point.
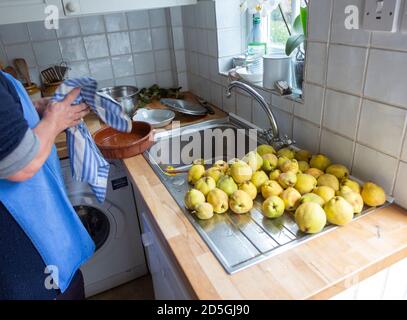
(22, 68)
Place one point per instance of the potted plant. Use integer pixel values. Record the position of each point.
(296, 42)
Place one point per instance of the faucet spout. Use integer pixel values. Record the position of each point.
(260, 100)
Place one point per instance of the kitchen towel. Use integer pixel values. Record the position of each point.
(87, 163)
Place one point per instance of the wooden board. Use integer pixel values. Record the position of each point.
(317, 269)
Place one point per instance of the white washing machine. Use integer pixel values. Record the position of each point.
(113, 226)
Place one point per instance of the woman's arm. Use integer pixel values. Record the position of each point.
(56, 118)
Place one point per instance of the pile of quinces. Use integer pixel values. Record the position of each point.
(309, 186)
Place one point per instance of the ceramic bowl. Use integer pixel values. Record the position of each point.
(157, 118)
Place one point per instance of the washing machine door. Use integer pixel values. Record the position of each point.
(96, 223)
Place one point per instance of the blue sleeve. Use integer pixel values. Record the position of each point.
(13, 126)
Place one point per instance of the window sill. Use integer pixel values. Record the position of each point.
(296, 96)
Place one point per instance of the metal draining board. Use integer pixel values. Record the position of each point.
(240, 241)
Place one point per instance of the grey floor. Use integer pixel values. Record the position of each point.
(139, 289)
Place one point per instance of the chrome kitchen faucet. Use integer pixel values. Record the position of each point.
(272, 135)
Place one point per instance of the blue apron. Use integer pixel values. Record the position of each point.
(41, 207)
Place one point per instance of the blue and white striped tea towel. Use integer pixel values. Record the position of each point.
(87, 163)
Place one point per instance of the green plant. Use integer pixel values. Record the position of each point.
(299, 34)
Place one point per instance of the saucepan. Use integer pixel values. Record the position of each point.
(125, 95)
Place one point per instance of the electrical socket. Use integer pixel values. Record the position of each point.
(381, 15)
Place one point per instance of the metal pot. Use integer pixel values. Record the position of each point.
(125, 95)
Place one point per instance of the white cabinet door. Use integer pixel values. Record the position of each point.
(15, 11)
(82, 7)
(390, 283)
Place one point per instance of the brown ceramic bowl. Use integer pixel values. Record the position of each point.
(114, 144)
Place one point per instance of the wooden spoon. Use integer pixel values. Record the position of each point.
(22, 68)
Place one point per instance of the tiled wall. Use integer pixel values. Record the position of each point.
(355, 99)
(133, 48)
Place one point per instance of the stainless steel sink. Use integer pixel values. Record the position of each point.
(238, 241)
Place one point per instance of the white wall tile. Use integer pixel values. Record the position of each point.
(144, 62)
(209, 7)
(400, 190)
(158, 18)
(160, 38)
(316, 62)
(38, 31)
(47, 52)
(244, 106)
(339, 33)
(212, 43)
(203, 62)
(404, 151)
(176, 16)
(78, 69)
(312, 108)
(387, 40)
(14, 33)
(284, 121)
(119, 43)
(306, 135)
(145, 80)
(229, 104)
(105, 83)
(178, 37)
(188, 16)
(386, 77)
(194, 62)
(345, 68)
(319, 21)
(381, 127)
(180, 61)
(141, 40)
(216, 94)
(116, 22)
(371, 165)
(341, 113)
(227, 14)
(162, 60)
(202, 41)
(92, 24)
(24, 51)
(259, 116)
(126, 81)
(165, 79)
(34, 75)
(337, 148)
(138, 19)
(68, 28)
(96, 46)
(214, 70)
(122, 66)
(72, 49)
(183, 81)
(229, 42)
(101, 69)
(282, 103)
(192, 41)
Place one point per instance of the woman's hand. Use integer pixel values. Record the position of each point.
(41, 104)
(63, 115)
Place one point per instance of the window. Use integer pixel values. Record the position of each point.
(277, 33)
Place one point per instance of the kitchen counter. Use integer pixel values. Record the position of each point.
(317, 269)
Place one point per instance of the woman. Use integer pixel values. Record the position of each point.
(42, 241)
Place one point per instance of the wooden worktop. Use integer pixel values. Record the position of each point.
(316, 269)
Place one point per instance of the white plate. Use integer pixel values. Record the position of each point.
(156, 117)
(251, 77)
